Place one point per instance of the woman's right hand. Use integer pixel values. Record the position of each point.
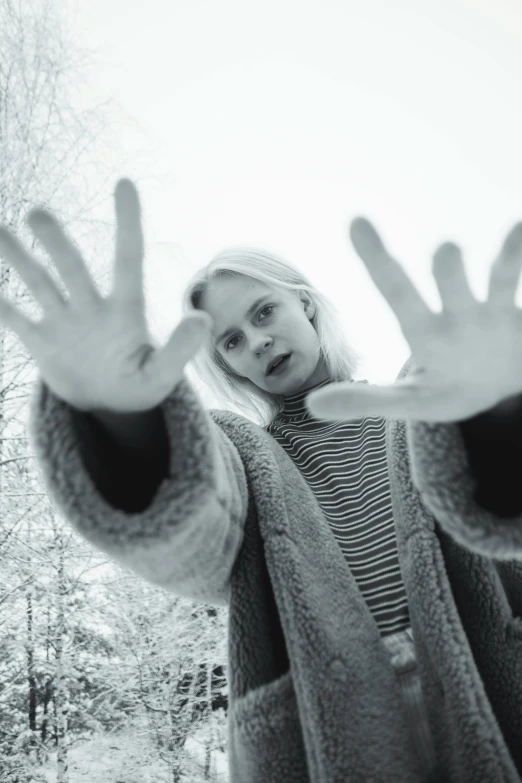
(96, 352)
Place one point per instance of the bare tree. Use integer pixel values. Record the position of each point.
(51, 150)
(48, 147)
(170, 671)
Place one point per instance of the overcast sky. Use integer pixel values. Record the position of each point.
(277, 122)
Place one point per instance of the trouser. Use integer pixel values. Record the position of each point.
(401, 648)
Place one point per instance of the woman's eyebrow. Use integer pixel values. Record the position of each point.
(247, 314)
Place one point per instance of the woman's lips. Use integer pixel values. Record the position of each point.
(281, 367)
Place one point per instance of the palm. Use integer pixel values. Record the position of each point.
(467, 358)
(97, 352)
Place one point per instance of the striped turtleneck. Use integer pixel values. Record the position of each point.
(345, 465)
(294, 404)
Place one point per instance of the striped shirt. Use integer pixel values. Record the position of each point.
(345, 465)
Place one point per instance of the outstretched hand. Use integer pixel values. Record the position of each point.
(95, 352)
(468, 357)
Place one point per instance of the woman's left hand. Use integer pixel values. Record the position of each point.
(468, 357)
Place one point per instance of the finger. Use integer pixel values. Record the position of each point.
(128, 264)
(17, 322)
(32, 273)
(411, 310)
(505, 271)
(450, 275)
(64, 254)
(166, 365)
(348, 401)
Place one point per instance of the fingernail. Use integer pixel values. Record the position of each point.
(40, 215)
(447, 250)
(362, 231)
(514, 239)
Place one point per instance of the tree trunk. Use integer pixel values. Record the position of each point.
(30, 661)
(61, 701)
(48, 691)
(46, 700)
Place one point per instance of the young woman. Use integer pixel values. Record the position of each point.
(369, 555)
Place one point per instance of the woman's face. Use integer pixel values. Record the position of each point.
(260, 330)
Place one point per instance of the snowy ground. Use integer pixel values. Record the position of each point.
(117, 759)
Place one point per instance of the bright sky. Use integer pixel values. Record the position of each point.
(278, 122)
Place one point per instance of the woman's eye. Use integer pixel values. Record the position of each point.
(267, 307)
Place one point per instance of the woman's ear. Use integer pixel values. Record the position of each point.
(309, 307)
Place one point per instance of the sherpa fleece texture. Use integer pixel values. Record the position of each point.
(312, 695)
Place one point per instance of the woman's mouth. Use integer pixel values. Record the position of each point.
(281, 367)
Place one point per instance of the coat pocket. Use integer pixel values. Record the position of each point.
(265, 741)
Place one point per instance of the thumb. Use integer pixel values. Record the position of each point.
(348, 401)
(168, 362)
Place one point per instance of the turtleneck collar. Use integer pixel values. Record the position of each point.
(294, 404)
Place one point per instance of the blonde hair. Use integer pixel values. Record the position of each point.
(341, 358)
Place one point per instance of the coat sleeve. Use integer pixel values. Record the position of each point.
(187, 538)
(453, 468)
